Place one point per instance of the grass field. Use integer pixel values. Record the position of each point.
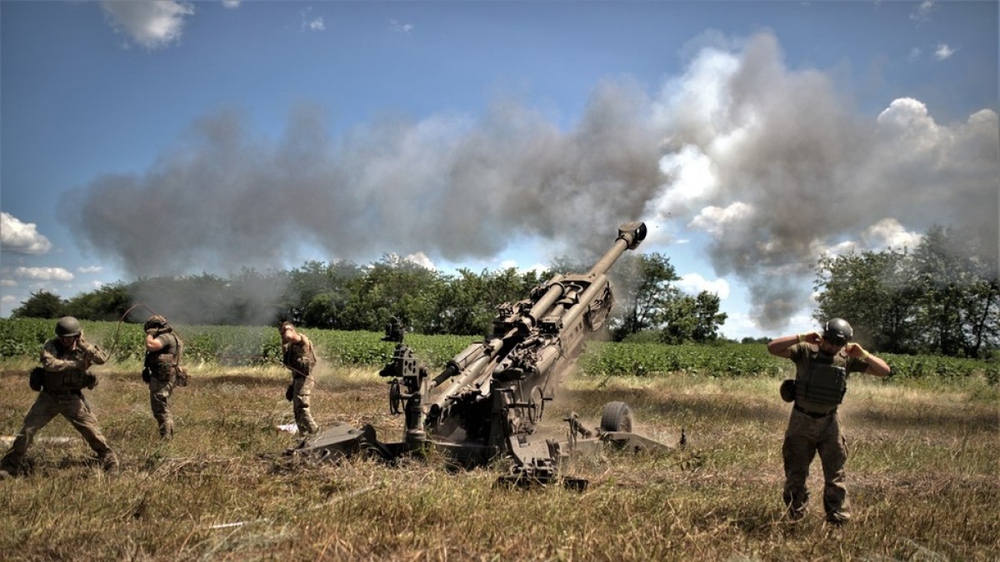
(923, 478)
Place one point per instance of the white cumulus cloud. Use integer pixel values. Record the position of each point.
(44, 273)
(90, 269)
(20, 237)
(151, 24)
(694, 283)
(943, 51)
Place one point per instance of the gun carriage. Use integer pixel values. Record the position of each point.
(488, 400)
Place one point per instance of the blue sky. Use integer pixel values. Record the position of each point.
(168, 138)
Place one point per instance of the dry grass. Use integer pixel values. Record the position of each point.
(922, 476)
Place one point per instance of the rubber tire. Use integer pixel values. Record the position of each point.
(616, 416)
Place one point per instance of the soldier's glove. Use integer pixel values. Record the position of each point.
(89, 381)
(146, 375)
(290, 392)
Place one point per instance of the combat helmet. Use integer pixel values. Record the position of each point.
(837, 331)
(68, 327)
(155, 322)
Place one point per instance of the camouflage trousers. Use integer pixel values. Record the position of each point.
(159, 403)
(805, 437)
(302, 388)
(47, 406)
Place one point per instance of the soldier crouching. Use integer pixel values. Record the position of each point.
(60, 383)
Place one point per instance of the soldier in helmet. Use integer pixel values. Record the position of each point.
(298, 356)
(823, 360)
(162, 370)
(63, 376)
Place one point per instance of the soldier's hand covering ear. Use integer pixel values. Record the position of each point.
(855, 350)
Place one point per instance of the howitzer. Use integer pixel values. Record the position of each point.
(488, 400)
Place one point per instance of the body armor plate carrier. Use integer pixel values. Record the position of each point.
(823, 383)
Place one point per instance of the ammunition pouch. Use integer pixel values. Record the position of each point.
(787, 390)
(36, 379)
(823, 384)
(182, 376)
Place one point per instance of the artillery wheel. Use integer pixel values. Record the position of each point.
(616, 416)
(395, 397)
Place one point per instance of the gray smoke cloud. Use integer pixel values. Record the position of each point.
(771, 164)
(777, 169)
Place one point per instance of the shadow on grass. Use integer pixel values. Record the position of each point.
(698, 406)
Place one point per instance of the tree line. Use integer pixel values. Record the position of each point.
(942, 297)
(347, 296)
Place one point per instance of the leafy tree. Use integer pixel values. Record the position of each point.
(692, 319)
(643, 289)
(317, 294)
(42, 304)
(469, 301)
(960, 304)
(875, 292)
(393, 287)
(108, 303)
(944, 297)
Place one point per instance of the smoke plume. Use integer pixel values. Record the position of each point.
(771, 164)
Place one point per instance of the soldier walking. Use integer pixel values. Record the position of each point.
(822, 364)
(60, 382)
(298, 356)
(162, 370)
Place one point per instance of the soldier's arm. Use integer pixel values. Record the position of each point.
(782, 346)
(153, 344)
(875, 364)
(95, 354)
(50, 362)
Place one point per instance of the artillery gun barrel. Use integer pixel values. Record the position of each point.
(585, 299)
(630, 234)
(466, 376)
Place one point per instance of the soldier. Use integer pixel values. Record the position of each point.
(162, 370)
(823, 362)
(60, 382)
(298, 356)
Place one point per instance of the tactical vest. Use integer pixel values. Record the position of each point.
(823, 383)
(65, 381)
(299, 357)
(162, 364)
(59, 382)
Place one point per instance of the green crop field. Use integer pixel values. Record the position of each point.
(922, 472)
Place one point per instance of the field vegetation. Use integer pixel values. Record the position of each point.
(923, 471)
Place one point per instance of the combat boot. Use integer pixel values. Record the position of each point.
(10, 467)
(109, 462)
(167, 430)
(838, 518)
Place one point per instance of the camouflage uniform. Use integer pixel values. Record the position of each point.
(300, 359)
(160, 372)
(64, 379)
(814, 427)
